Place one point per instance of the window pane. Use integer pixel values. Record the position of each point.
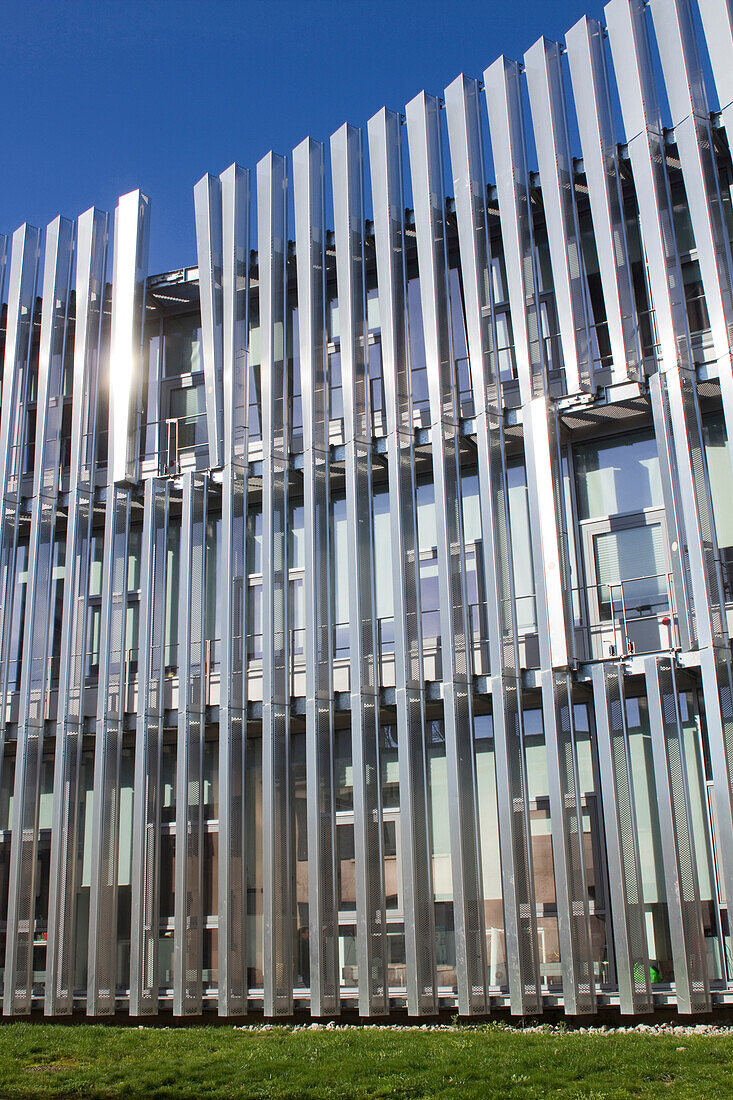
(182, 346)
(618, 475)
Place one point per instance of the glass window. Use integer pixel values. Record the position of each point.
(340, 563)
(417, 346)
(172, 595)
(426, 530)
(521, 547)
(490, 857)
(650, 844)
(721, 478)
(618, 475)
(296, 532)
(182, 346)
(187, 406)
(636, 556)
(383, 550)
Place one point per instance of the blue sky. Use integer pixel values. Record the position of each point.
(101, 96)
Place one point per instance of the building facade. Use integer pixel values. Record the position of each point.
(366, 591)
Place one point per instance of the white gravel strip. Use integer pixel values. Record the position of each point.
(551, 1029)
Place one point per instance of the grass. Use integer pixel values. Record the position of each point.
(49, 1060)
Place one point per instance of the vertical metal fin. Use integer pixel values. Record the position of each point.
(544, 485)
(192, 695)
(24, 264)
(146, 819)
(566, 813)
(678, 857)
(543, 68)
(696, 150)
(385, 152)
(207, 203)
(129, 265)
(310, 243)
(348, 204)
(622, 840)
(588, 70)
(132, 234)
(65, 865)
(111, 689)
(38, 618)
(426, 161)
(232, 885)
(462, 101)
(278, 884)
(717, 21)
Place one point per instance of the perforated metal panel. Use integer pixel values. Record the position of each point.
(385, 147)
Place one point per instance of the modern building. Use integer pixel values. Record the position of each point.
(366, 592)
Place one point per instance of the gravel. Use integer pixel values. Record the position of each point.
(557, 1029)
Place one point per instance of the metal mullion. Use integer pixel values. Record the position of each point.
(543, 69)
(622, 840)
(278, 866)
(520, 922)
(544, 490)
(348, 203)
(208, 211)
(148, 743)
(34, 671)
(310, 239)
(424, 137)
(91, 261)
(102, 966)
(232, 881)
(680, 870)
(588, 71)
(189, 915)
(385, 148)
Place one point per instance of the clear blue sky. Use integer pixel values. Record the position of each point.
(101, 96)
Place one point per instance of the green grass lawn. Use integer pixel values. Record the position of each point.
(488, 1061)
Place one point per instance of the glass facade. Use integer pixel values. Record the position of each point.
(366, 600)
